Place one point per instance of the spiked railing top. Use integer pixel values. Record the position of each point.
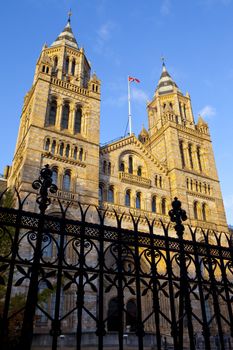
(177, 215)
(44, 183)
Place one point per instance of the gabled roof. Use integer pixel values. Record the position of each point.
(66, 37)
(128, 140)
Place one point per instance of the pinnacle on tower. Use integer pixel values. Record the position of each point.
(66, 36)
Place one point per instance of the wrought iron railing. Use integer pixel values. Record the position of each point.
(77, 284)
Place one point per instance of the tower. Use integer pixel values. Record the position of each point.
(60, 122)
(185, 149)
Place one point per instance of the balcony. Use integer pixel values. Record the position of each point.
(134, 179)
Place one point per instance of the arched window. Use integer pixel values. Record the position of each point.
(199, 158)
(47, 144)
(43, 69)
(128, 198)
(185, 112)
(182, 153)
(160, 181)
(111, 194)
(75, 152)
(81, 154)
(139, 172)
(53, 148)
(138, 200)
(204, 216)
(55, 62)
(122, 166)
(190, 155)
(67, 65)
(78, 120)
(131, 315)
(73, 67)
(52, 113)
(101, 193)
(156, 180)
(195, 210)
(66, 181)
(187, 184)
(65, 116)
(153, 205)
(61, 151)
(47, 70)
(130, 165)
(67, 151)
(109, 168)
(113, 322)
(104, 167)
(54, 175)
(163, 206)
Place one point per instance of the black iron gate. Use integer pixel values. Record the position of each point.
(69, 284)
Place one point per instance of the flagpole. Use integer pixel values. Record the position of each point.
(129, 105)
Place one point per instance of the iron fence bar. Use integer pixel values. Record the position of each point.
(184, 285)
(56, 323)
(225, 283)
(214, 292)
(205, 327)
(174, 330)
(156, 305)
(12, 263)
(140, 328)
(120, 276)
(81, 292)
(100, 332)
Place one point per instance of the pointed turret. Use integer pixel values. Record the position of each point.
(166, 84)
(66, 37)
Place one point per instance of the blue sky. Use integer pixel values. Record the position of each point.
(128, 37)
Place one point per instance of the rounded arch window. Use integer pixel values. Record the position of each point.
(67, 151)
(61, 149)
(75, 152)
(111, 194)
(52, 113)
(55, 62)
(66, 181)
(138, 200)
(130, 164)
(81, 154)
(195, 210)
(114, 321)
(73, 67)
(67, 65)
(131, 315)
(139, 172)
(163, 206)
(101, 193)
(78, 120)
(122, 166)
(128, 198)
(204, 211)
(47, 144)
(54, 175)
(153, 204)
(65, 116)
(53, 148)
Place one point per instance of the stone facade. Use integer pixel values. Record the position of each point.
(141, 175)
(60, 124)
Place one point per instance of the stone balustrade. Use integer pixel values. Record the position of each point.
(134, 179)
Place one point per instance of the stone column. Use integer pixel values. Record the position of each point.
(186, 155)
(72, 117)
(60, 104)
